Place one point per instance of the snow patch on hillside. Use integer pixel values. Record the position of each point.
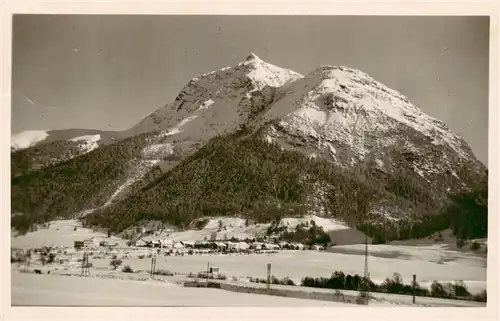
(228, 227)
(218, 227)
(27, 139)
(225, 222)
(186, 120)
(328, 224)
(135, 174)
(178, 128)
(265, 74)
(158, 150)
(87, 143)
(206, 104)
(383, 214)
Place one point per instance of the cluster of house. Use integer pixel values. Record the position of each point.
(90, 243)
(221, 245)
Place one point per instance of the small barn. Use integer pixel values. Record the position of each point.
(78, 245)
(188, 244)
(202, 245)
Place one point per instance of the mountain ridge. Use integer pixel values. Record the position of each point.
(340, 116)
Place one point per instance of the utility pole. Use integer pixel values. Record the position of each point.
(208, 271)
(28, 258)
(85, 264)
(366, 286)
(153, 267)
(414, 285)
(268, 285)
(367, 274)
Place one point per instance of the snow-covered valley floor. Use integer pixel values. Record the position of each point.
(30, 289)
(51, 290)
(430, 263)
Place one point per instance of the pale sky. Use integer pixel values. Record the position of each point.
(107, 72)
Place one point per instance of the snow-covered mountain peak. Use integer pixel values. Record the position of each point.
(341, 108)
(222, 95)
(336, 78)
(266, 74)
(259, 72)
(253, 57)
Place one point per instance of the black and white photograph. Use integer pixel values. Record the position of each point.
(249, 161)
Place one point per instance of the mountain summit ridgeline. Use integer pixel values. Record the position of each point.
(259, 141)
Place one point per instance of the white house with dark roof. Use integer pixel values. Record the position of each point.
(221, 245)
(256, 246)
(141, 243)
(284, 245)
(316, 247)
(242, 246)
(231, 245)
(178, 245)
(297, 246)
(165, 243)
(270, 246)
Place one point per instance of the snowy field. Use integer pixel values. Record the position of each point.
(60, 233)
(298, 264)
(58, 290)
(430, 263)
(47, 290)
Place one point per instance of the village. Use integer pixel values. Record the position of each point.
(169, 247)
